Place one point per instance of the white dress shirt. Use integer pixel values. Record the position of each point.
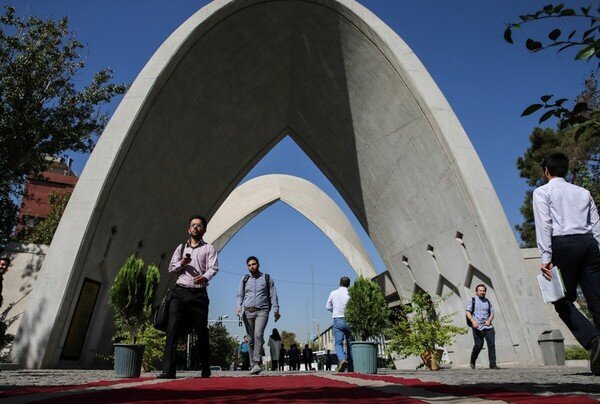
(337, 302)
(560, 209)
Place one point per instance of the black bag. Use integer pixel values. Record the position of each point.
(161, 314)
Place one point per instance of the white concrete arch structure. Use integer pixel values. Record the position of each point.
(257, 194)
(224, 88)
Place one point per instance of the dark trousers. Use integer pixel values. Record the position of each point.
(274, 365)
(578, 258)
(490, 338)
(245, 360)
(187, 308)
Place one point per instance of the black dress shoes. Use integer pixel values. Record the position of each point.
(472, 366)
(595, 356)
(165, 376)
(206, 374)
(494, 366)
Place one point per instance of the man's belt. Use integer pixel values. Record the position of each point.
(254, 309)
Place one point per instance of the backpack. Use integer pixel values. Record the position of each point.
(473, 309)
(267, 280)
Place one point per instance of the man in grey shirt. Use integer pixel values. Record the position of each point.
(256, 296)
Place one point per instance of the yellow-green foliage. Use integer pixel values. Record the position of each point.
(419, 329)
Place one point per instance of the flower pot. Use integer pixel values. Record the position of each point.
(128, 360)
(431, 359)
(364, 356)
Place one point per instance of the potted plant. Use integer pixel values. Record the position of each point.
(367, 315)
(131, 297)
(418, 329)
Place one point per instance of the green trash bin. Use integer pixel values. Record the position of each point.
(364, 356)
(128, 360)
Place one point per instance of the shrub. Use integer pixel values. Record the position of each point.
(419, 330)
(576, 352)
(366, 313)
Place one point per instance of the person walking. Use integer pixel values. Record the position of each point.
(481, 313)
(328, 360)
(567, 230)
(194, 263)
(336, 304)
(275, 348)
(282, 353)
(256, 296)
(307, 357)
(293, 357)
(244, 352)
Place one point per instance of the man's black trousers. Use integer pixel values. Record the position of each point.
(490, 338)
(188, 309)
(578, 258)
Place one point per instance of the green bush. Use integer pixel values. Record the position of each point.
(132, 297)
(419, 330)
(367, 312)
(576, 352)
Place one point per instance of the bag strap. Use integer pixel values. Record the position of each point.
(172, 275)
(472, 305)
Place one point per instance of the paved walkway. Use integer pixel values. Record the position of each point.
(552, 385)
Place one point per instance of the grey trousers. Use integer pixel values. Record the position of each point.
(255, 327)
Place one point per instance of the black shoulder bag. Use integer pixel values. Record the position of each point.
(161, 314)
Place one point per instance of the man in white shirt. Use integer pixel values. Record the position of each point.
(337, 305)
(567, 229)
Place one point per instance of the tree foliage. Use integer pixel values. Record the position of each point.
(366, 312)
(288, 339)
(153, 340)
(223, 347)
(132, 297)
(44, 110)
(419, 329)
(43, 230)
(580, 32)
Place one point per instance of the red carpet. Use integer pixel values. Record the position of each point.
(19, 391)
(269, 389)
(480, 392)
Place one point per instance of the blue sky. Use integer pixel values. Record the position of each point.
(486, 81)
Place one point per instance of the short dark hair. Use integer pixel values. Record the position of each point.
(201, 218)
(557, 164)
(5, 259)
(481, 285)
(252, 258)
(345, 281)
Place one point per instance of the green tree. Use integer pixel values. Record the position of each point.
(288, 339)
(366, 312)
(131, 298)
(44, 110)
(418, 329)
(43, 230)
(579, 30)
(223, 347)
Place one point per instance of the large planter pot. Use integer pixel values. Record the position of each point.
(364, 356)
(128, 360)
(432, 359)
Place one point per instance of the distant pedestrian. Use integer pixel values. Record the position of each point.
(567, 229)
(294, 357)
(307, 357)
(275, 348)
(195, 263)
(282, 353)
(256, 296)
(4, 264)
(244, 351)
(481, 313)
(328, 360)
(336, 304)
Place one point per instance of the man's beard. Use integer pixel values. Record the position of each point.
(196, 237)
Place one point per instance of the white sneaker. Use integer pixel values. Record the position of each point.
(255, 370)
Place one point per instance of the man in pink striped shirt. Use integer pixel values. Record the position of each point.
(194, 263)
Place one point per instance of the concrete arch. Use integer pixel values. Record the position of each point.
(225, 87)
(257, 194)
